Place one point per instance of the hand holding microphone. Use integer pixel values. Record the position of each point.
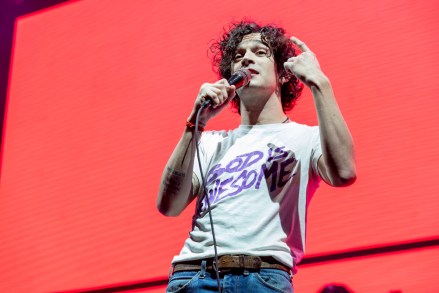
(239, 79)
(213, 97)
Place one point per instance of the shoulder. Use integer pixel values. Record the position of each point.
(303, 131)
(303, 127)
(211, 139)
(223, 134)
(214, 135)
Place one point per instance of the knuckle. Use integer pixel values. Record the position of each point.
(204, 87)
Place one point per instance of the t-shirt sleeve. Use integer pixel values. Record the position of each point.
(316, 150)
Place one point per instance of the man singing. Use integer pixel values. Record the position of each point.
(260, 176)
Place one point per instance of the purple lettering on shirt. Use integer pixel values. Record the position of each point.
(267, 172)
(214, 173)
(243, 172)
(221, 189)
(283, 172)
(243, 161)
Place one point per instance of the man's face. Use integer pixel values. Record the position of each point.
(254, 55)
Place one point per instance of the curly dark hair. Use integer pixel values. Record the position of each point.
(275, 39)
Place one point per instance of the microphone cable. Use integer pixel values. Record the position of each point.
(196, 140)
(240, 78)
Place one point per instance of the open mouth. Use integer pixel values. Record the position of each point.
(252, 71)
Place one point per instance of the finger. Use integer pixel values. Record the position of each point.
(222, 82)
(291, 59)
(223, 91)
(220, 92)
(217, 96)
(224, 88)
(209, 94)
(289, 64)
(302, 46)
(221, 85)
(231, 93)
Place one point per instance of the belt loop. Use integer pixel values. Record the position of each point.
(242, 261)
(203, 269)
(171, 271)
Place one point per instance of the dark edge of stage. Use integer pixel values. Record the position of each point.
(309, 260)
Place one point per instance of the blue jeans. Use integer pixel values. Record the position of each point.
(263, 280)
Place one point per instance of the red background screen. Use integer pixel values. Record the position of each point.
(98, 95)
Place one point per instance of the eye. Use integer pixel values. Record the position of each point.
(237, 57)
(262, 52)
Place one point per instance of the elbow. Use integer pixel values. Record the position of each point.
(166, 209)
(347, 181)
(169, 213)
(345, 178)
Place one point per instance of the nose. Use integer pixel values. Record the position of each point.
(247, 59)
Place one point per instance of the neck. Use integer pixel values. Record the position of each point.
(257, 113)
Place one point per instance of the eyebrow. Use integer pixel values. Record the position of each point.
(259, 42)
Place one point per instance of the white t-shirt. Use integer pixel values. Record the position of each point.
(260, 180)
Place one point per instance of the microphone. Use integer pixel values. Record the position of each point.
(239, 79)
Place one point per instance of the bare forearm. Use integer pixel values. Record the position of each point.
(336, 139)
(176, 185)
(177, 189)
